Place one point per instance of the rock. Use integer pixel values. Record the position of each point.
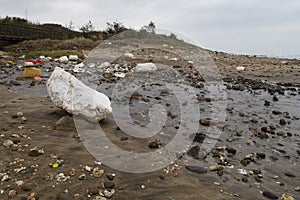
(103, 65)
(98, 172)
(109, 185)
(129, 55)
(267, 103)
(270, 195)
(110, 177)
(276, 112)
(82, 177)
(260, 155)
(282, 122)
(79, 68)
(109, 193)
(73, 57)
(27, 187)
(216, 168)
(153, 145)
(290, 175)
(93, 190)
(76, 98)
(275, 98)
(8, 143)
(287, 197)
(34, 153)
(63, 59)
(12, 193)
(240, 68)
(194, 152)
(145, 67)
(231, 150)
(196, 169)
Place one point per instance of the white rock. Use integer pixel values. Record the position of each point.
(63, 59)
(129, 55)
(76, 98)
(119, 74)
(73, 57)
(240, 68)
(145, 67)
(104, 65)
(78, 68)
(28, 64)
(173, 59)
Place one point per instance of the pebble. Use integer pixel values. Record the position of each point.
(282, 122)
(12, 193)
(153, 145)
(110, 177)
(109, 193)
(270, 195)
(196, 169)
(109, 185)
(34, 153)
(8, 143)
(287, 197)
(98, 172)
(82, 177)
(27, 187)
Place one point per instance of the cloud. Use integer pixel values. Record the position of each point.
(256, 27)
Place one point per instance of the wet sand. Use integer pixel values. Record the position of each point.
(257, 154)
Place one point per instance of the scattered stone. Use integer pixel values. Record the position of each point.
(260, 155)
(282, 122)
(27, 187)
(270, 195)
(98, 172)
(8, 143)
(34, 153)
(153, 145)
(12, 193)
(109, 185)
(109, 193)
(145, 67)
(82, 177)
(196, 169)
(287, 197)
(110, 177)
(216, 168)
(275, 98)
(290, 175)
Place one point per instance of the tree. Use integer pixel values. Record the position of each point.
(88, 27)
(70, 26)
(114, 28)
(150, 28)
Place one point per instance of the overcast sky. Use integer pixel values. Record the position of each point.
(268, 27)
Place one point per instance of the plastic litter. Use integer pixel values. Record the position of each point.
(31, 72)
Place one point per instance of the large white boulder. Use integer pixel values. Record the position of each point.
(145, 67)
(75, 97)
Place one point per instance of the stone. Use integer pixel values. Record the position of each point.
(27, 187)
(240, 68)
(109, 193)
(270, 195)
(145, 67)
(82, 177)
(76, 98)
(63, 59)
(34, 153)
(73, 57)
(287, 197)
(196, 169)
(12, 193)
(109, 185)
(153, 145)
(282, 122)
(8, 143)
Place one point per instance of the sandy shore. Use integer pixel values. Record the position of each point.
(256, 156)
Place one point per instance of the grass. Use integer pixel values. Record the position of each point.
(51, 48)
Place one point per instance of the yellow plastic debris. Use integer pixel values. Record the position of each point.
(31, 72)
(12, 63)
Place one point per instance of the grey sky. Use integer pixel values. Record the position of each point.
(269, 27)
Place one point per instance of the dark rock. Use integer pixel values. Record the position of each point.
(194, 152)
(276, 112)
(260, 155)
(161, 177)
(267, 103)
(275, 98)
(282, 122)
(93, 190)
(153, 145)
(290, 175)
(270, 195)
(264, 129)
(256, 171)
(110, 177)
(245, 162)
(199, 137)
(109, 185)
(196, 169)
(231, 150)
(27, 187)
(34, 153)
